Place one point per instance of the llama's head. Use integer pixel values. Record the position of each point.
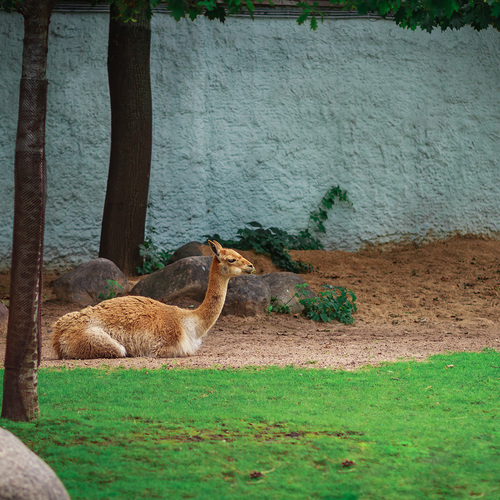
(231, 263)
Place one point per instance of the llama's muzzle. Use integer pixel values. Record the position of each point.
(249, 269)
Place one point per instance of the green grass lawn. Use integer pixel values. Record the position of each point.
(405, 430)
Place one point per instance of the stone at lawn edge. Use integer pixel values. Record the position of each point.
(282, 287)
(188, 279)
(191, 249)
(24, 475)
(86, 282)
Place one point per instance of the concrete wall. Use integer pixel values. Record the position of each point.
(254, 121)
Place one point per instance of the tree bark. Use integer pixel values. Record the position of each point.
(126, 202)
(22, 356)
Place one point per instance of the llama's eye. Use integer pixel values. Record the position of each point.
(231, 260)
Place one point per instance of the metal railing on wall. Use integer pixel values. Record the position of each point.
(283, 9)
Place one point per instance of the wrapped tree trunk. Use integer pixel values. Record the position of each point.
(125, 207)
(22, 356)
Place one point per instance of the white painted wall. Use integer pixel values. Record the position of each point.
(256, 120)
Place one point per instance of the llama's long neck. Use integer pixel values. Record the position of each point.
(212, 304)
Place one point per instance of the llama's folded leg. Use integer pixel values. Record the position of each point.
(90, 343)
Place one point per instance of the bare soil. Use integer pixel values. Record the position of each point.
(413, 301)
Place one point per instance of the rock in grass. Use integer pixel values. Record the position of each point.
(24, 475)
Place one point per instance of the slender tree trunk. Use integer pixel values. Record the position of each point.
(125, 207)
(22, 356)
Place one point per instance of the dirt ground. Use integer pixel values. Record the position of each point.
(413, 301)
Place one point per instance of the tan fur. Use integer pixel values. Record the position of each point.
(140, 326)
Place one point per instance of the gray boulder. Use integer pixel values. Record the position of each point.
(247, 296)
(282, 287)
(188, 279)
(24, 475)
(87, 282)
(4, 316)
(192, 249)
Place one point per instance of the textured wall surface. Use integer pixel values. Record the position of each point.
(254, 121)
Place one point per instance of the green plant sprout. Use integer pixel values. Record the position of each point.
(335, 303)
(111, 290)
(278, 308)
(153, 259)
(320, 215)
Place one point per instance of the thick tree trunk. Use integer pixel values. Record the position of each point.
(22, 356)
(125, 207)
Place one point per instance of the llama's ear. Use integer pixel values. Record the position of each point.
(215, 247)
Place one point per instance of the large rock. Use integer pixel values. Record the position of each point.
(247, 296)
(283, 288)
(24, 475)
(188, 279)
(89, 282)
(191, 249)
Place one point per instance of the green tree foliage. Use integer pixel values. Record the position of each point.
(181, 9)
(412, 14)
(430, 14)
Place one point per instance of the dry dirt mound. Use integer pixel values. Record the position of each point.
(412, 302)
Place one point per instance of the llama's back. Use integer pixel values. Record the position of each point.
(132, 325)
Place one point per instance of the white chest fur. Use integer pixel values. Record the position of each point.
(191, 340)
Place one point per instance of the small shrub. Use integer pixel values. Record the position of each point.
(111, 290)
(153, 259)
(279, 308)
(335, 303)
(319, 215)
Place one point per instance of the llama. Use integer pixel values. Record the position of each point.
(140, 326)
